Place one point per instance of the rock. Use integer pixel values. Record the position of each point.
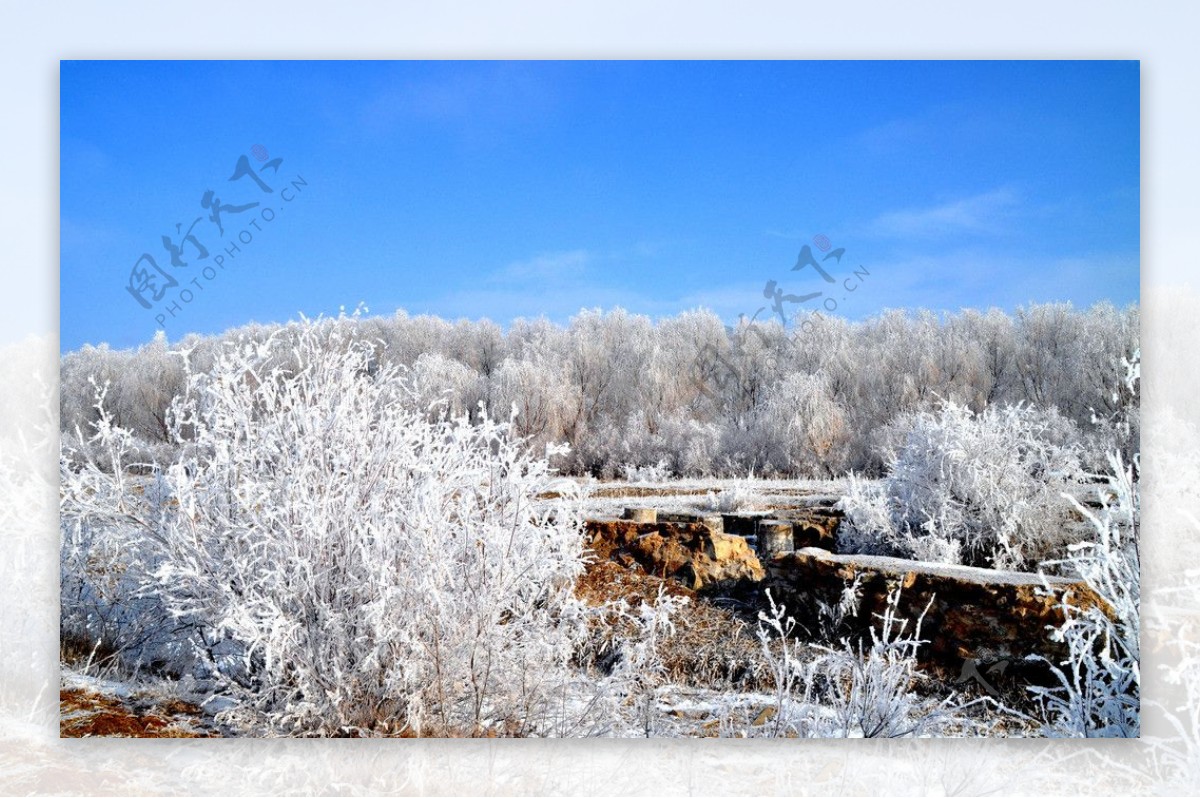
(690, 553)
(817, 529)
(663, 555)
(725, 548)
(973, 613)
(713, 522)
(819, 500)
(814, 527)
(743, 524)
(767, 713)
(607, 536)
(679, 517)
(773, 538)
(807, 535)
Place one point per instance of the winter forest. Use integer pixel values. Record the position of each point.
(911, 525)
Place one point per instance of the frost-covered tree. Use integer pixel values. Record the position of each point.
(446, 386)
(802, 429)
(145, 389)
(1099, 682)
(539, 393)
(607, 357)
(79, 372)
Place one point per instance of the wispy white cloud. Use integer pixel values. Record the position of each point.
(558, 302)
(893, 135)
(729, 300)
(974, 278)
(945, 281)
(926, 129)
(545, 267)
(985, 213)
(472, 98)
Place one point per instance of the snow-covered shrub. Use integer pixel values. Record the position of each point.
(833, 618)
(1099, 683)
(696, 446)
(105, 552)
(675, 447)
(870, 525)
(380, 570)
(1117, 427)
(874, 689)
(889, 440)
(977, 489)
(795, 679)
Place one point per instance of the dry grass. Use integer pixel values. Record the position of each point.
(712, 646)
(84, 713)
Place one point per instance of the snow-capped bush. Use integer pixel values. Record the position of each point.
(379, 570)
(873, 688)
(977, 489)
(1099, 690)
(1118, 427)
(639, 670)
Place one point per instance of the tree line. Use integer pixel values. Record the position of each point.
(689, 395)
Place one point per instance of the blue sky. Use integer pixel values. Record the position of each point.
(507, 189)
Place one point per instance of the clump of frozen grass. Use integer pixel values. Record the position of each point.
(735, 496)
(1099, 682)
(648, 474)
(795, 680)
(832, 618)
(639, 669)
(976, 489)
(347, 563)
(855, 690)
